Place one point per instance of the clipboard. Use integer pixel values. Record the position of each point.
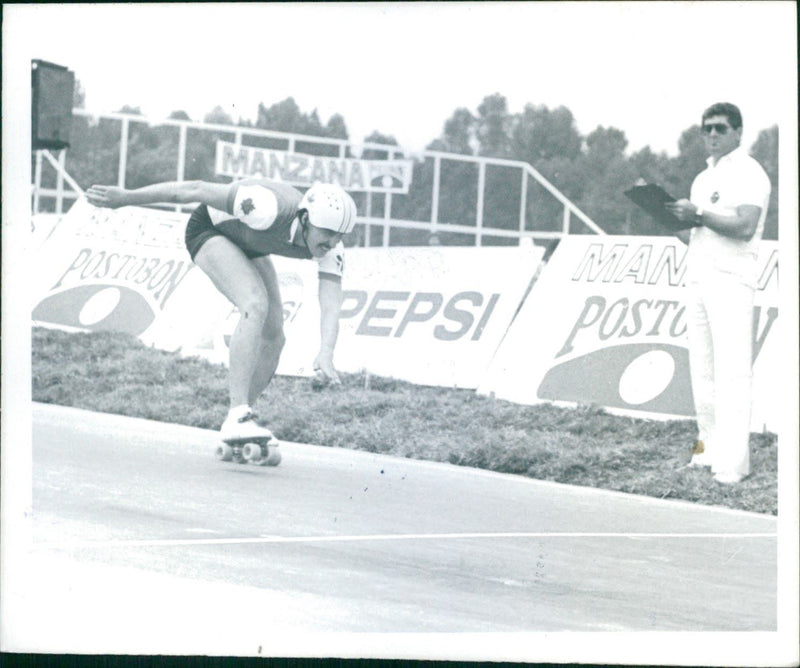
(652, 199)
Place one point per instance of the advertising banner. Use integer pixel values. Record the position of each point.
(430, 315)
(300, 169)
(123, 270)
(605, 324)
(42, 225)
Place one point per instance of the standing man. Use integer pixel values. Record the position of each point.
(230, 236)
(728, 204)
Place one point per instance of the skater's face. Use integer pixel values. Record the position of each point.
(320, 241)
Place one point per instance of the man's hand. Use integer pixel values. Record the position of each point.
(683, 210)
(106, 196)
(684, 235)
(324, 373)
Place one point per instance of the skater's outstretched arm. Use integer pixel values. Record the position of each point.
(172, 192)
(330, 304)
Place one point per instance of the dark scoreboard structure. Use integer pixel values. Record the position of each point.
(51, 108)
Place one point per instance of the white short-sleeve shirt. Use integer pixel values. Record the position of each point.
(734, 180)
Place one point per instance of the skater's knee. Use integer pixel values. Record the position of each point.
(254, 308)
(272, 331)
(274, 335)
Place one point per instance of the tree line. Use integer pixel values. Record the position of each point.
(593, 171)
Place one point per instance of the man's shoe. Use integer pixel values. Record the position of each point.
(729, 478)
(699, 455)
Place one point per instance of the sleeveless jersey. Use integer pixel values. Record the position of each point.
(261, 218)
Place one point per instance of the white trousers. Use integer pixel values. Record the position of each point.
(720, 329)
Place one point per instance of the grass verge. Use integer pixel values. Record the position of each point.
(116, 373)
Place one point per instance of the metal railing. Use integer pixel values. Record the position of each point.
(572, 218)
(59, 192)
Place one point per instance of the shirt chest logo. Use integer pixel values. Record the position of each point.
(715, 198)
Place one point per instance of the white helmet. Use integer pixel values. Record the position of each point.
(329, 207)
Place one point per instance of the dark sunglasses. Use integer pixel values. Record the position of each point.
(721, 128)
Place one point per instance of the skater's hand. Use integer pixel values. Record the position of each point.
(106, 196)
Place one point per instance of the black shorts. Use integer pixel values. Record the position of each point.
(200, 229)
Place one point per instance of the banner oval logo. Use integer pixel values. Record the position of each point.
(646, 377)
(643, 376)
(97, 307)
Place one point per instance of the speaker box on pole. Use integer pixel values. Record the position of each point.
(52, 97)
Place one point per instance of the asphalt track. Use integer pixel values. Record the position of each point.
(141, 536)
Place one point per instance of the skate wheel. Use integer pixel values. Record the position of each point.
(252, 452)
(224, 452)
(273, 458)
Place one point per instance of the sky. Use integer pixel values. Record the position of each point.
(646, 68)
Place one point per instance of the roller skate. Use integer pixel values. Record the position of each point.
(244, 441)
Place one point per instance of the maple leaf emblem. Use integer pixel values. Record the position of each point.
(247, 206)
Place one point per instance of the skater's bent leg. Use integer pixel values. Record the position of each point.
(265, 368)
(234, 276)
(272, 336)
